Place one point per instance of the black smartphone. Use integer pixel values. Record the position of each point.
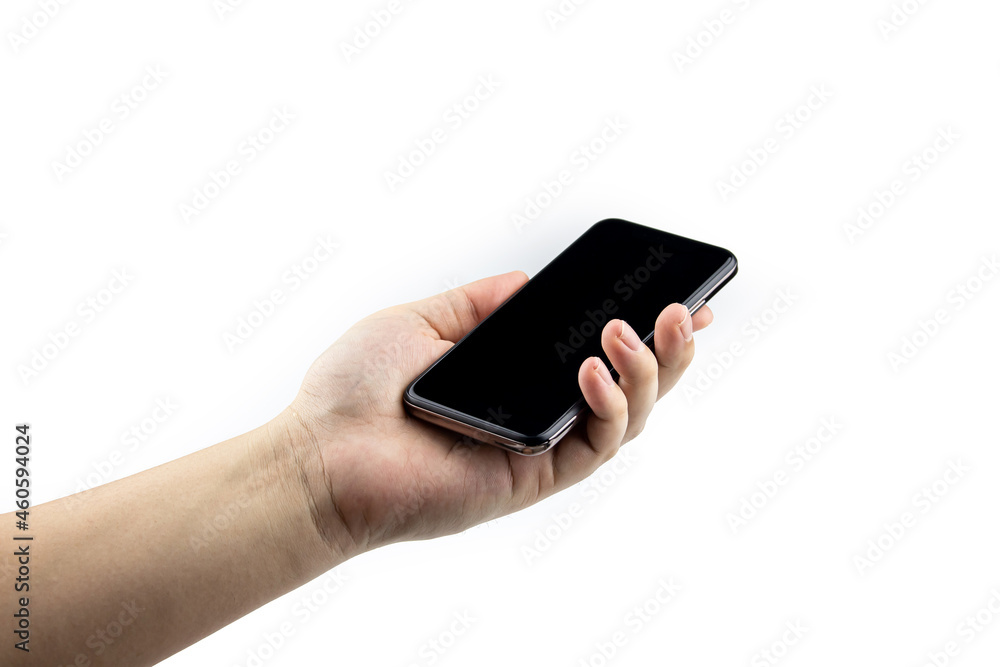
(517, 391)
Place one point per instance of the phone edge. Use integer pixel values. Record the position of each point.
(487, 432)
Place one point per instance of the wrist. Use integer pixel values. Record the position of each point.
(289, 447)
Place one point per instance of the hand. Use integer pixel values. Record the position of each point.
(381, 476)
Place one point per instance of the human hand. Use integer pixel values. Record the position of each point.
(376, 475)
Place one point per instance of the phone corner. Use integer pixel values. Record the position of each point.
(543, 442)
(732, 263)
(608, 222)
(410, 397)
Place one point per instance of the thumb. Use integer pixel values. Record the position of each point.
(454, 313)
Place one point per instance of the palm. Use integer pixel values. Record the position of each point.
(409, 479)
(414, 479)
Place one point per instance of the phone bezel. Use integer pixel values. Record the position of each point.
(534, 444)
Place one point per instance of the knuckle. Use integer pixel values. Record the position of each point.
(642, 371)
(620, 410)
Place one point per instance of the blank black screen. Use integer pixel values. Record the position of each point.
(518, 368)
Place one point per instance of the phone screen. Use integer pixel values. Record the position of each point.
(518, 369)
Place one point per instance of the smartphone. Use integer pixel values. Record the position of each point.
(512, 380)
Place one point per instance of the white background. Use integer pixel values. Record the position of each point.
(854, 298)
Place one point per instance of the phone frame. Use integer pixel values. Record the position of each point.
(527, 444)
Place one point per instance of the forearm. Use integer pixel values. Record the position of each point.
(170, 555)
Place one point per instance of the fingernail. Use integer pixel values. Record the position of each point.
(629, 337)
(602, 371)
(687, 329)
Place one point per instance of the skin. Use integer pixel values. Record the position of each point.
(135, 570)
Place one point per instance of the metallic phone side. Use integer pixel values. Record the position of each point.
(485, 436)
